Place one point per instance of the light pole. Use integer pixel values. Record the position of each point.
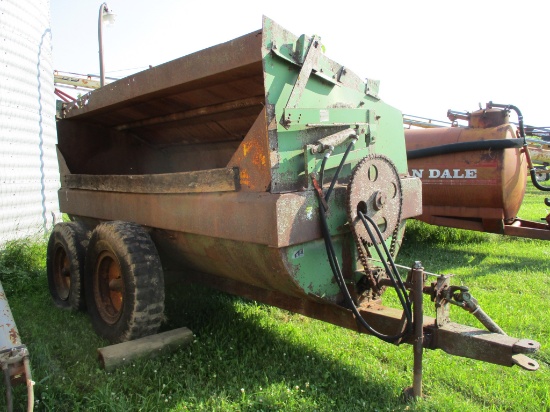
(109, 18)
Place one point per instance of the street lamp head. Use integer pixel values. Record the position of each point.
(107, 15)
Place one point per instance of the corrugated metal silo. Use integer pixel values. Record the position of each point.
(29, 176)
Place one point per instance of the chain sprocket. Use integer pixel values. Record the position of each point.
(375, 189)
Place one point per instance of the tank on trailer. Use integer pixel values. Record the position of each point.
(474, 176)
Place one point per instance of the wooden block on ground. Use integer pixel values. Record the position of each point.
(110, 357)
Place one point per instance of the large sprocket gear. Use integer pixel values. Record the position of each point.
(375, 189)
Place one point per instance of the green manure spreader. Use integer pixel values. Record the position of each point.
(260, 167)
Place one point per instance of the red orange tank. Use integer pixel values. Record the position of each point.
(470, 189)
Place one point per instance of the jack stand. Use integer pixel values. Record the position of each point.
(417, 277)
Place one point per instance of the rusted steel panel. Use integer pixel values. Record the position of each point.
(193, 113)
(95, 150)
(211, 96)
(195, 98)
(253, 157)
(276, 220)
(205, 181)
(412, 197)
(219, 64)
(224, 126)
(247, 263)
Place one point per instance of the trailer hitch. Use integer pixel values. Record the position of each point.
(493, 346)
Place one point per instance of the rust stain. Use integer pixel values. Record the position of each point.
(14, 336)
(244, 177)
(259, 160)
(253, 147)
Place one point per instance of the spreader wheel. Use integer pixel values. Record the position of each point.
(124, 282)
(65, 264)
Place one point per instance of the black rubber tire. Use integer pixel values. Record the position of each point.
(124, 282)
(65, 265)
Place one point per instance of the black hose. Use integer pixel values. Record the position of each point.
(322, 172)
(392, 274)
(518, 112)
(342, 285)
(536, 183)
(335, 178)
(337, 272)
(532, 170)
(494, 144)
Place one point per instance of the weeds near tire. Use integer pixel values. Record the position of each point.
(21, 261)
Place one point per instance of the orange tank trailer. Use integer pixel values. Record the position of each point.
(473, 177)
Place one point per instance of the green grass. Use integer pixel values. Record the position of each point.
(253, 357)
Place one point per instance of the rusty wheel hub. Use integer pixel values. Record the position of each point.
(62, 273)
(108, 287)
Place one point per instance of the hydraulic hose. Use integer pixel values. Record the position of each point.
(535, 182)
(518, 112)
(343, 288)
(323, 164)
(493, 144)
(393, 274)
(337, 273)
(532, 170)
(335, 177)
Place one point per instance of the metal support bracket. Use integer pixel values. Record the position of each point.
(439, 294)
(334, 117)
(372, 88)
(310, 61)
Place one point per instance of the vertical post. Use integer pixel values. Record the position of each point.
(418, 320)
(100, 40)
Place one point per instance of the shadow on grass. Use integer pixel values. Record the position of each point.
(240, 345)
(470, 256)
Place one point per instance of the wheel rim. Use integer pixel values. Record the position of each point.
(61, 273)
(108, 287)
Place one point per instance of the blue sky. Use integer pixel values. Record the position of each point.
(430, 56)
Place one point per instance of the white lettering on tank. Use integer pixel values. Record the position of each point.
(417, 172)
(434, 173)
(446, 173)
